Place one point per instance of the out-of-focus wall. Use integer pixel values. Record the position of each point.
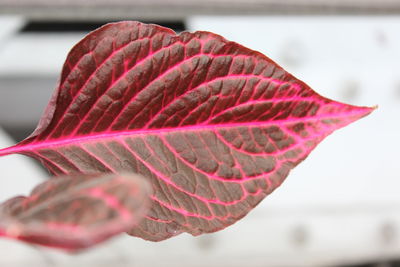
(181, 9)
(340, 206)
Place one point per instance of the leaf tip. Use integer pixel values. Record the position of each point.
(365, 111)
(359, 112)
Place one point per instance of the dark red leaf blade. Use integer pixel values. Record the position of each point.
(213, 125)
(76, 212)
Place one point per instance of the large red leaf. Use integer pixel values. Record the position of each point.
(76, 212)
(213, 125)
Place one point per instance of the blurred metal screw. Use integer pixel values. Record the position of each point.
(388, 233)
(397, 89)
(206, 241)
(350, 90)
(300, 236)
(293, 53)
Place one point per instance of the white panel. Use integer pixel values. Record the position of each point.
(339, 206)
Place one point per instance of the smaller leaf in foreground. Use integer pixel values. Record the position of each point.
(76, 212)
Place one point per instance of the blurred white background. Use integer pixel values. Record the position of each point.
(339, 207)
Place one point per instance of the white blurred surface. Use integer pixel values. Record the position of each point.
(339, 206)
(19, 174)
(9, 24)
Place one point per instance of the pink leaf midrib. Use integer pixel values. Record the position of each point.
(76, 139)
